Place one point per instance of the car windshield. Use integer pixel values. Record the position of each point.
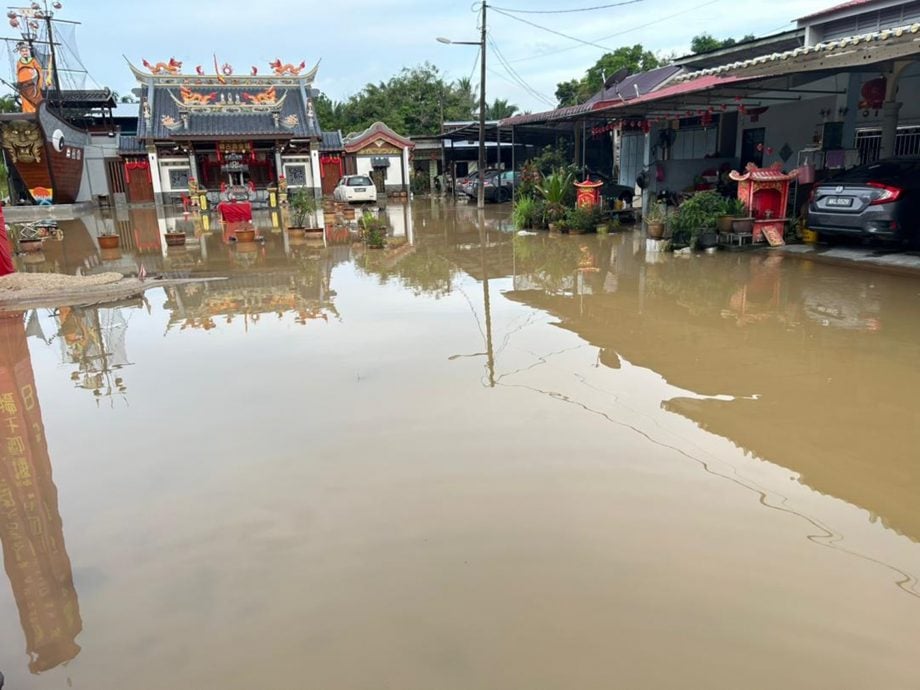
(359, 182)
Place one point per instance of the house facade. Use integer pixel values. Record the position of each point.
(381, 154)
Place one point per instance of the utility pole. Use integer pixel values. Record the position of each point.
(481, 197)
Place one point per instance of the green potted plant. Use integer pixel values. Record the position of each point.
(655, 219)
(524, 213)
(582, 219)
(696, 217)
(373, 230)
(555, 190)
(302, 206)
(734, 208)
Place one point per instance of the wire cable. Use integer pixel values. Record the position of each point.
(580, 9)
(553, 31)
(620, 33)
(517, 77)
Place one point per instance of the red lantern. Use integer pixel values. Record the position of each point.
(873, 94)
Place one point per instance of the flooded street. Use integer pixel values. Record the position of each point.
(475, 460)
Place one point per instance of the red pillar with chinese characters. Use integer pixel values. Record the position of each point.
(6, 249)
(31, 530)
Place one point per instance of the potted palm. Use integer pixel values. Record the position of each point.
(555, 190)
(655, 219)
(734, 209)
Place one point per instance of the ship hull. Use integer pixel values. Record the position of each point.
(47, 154)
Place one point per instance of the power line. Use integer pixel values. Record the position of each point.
(517, 77)
(553, 31)
(580, 9)
(620, 33)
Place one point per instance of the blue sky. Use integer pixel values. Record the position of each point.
(364, 40)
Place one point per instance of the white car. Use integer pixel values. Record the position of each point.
(354, 188)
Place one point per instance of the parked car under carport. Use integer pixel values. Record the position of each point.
(876, 201)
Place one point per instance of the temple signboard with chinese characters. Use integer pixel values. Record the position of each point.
(209, 129)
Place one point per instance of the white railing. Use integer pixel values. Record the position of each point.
(869, 143)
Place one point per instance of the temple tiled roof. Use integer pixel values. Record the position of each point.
(240, 111)
(332, 141)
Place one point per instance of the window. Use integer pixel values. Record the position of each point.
(178, 178)
(296, 175)
(360, 182)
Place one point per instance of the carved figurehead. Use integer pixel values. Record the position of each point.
(23, 141)
(29, 78)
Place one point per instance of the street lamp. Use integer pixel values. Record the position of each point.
(481, 196)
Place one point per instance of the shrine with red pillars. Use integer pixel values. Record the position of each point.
(765, 194)
(588, 193)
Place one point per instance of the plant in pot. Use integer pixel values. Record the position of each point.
(302, 206)
(734, 209)
(555, 190)
(695, 220)
(109, 240)
(582, 219)
(742, 222)
(373, 230)
(655, 219)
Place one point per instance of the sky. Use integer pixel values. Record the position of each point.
(363, 41)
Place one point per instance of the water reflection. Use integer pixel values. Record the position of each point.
(798, 378)
(31, 531)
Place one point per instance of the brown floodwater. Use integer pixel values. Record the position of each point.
(471, 460)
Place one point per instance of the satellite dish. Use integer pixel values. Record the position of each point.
(616, 77)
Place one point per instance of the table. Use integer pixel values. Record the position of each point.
(235, 211)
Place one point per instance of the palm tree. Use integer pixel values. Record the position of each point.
(500, 109)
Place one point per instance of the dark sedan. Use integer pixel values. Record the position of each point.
(880, 200)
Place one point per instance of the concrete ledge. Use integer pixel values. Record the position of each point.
(864, 257)
(20, 214)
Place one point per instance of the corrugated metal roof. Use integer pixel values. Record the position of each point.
(704, 83)
(232, 116)
(632, 87)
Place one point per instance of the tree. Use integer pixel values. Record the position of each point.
(414, 101)
(705, 43)
(9, 103)
(634, 58)
(500, 109)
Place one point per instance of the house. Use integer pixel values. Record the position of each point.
(382, 154)
(839, 90)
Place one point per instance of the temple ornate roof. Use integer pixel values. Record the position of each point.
(224, 105)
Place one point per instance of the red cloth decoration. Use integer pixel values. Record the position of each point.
(235, 211)
(6, 249)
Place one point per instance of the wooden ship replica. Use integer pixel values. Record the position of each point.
(44, 145)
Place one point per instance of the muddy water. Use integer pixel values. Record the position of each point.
(471, 461)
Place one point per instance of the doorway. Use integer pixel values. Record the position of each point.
(752, 141)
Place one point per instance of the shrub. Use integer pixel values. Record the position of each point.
(583, 218)
(697, 215)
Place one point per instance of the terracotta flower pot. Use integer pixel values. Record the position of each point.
(724, 223)
(349, 214)
(109, 241)
(655, 230)
(743, 226)
(245, 235)
(296, 233)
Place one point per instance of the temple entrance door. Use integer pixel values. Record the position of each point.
(378, 175)
(331, 173)
(140, 186)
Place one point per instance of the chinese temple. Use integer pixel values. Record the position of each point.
(205, 134)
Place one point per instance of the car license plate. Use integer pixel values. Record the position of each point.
(360, 189)
(845, 201)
